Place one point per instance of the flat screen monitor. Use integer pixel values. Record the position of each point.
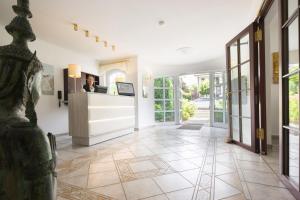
(100, 89)
(125, 89)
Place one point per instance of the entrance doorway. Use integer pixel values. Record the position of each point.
(195, 99)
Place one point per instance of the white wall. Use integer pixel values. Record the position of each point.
(51, 118)
(272, 39)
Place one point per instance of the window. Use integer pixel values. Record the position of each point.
(164, 99)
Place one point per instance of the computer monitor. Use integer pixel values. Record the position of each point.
(100, 89)
(125, 89)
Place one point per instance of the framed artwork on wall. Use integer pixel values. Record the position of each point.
(48, 80)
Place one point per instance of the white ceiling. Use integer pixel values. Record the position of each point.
(132, 25)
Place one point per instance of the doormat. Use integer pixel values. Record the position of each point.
(191, 126)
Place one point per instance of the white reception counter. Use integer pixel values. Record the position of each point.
(94, 118)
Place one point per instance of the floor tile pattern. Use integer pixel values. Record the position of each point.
(166, 163)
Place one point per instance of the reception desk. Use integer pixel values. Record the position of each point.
(94, 117)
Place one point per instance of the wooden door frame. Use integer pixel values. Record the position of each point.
(253, 86)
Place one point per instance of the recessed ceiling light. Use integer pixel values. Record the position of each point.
(184, 50)
(161, 22)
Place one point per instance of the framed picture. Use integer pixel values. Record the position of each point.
(47, 85)
(125, 89)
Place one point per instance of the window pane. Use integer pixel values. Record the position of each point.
(218, 117)
(246, 106)
(234, 80)
(246, 131)
(158, 93)
(159, 116)
(169, 94)
(294, 157)
(294, 101)
(219, 91)
(159, 105)
(235, 104)
(292, 6)
(244, 48)
(219, 104)
(235, 129)
(170, 116)
(293, 46)
(169, 82)
(218, 78)
(169, 105)
(158, 82)
(233, 55)
(245, 76)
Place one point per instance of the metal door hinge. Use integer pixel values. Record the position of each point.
(258, 35)
(260, 133)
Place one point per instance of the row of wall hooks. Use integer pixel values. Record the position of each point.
(88, 34)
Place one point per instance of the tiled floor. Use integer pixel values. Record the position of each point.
(165, 163)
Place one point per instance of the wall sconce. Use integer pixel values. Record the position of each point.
(113, 47)
(275, 59)
(75, 26)
(105, 43)
(97, 39)
(87, 33)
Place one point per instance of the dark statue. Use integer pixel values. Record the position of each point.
(27, 155)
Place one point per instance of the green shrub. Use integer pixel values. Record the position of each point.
(188, 109)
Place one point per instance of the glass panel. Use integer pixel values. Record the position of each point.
(158, 82)
(246, 105)
(158, 93)
(169, 82)
(170, 116)
(234, 80)
(219, 91)
(293, 46)
(218, 117)
(159, 105)
(235, 104)
(235, 129)
(292, 6)
(233, 55)
(159, 116)
(169, 105)
(294, 157)
(169, 94)
(294, 101)
(245, 76)
(246, 131)
(218, 78)
(219, 104)
(245, 48)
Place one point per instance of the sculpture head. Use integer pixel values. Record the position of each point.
(20, 70)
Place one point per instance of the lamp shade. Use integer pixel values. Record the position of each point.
(74, 71)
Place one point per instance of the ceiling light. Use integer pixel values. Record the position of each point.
(87, 33)
(75, 26)
(161, 22)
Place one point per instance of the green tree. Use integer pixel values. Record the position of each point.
(204, 88)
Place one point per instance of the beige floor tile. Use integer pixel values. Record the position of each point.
(191, 175)
(185, 194)
(102, 167)
(172, 182)
(170, 157)
(142, 166)
(158, 197)
(262, 178)
(114, 191)
(79, 181)
(223, 190)
(261, 192)
(122, 156)
(142, 188)
(182, 165)
(102, 179)
(232, 179)
(236, 197)
(223, 169)
(255, 166)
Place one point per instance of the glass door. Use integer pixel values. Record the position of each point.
(241, 73)
(290, 94)
(219, 100)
